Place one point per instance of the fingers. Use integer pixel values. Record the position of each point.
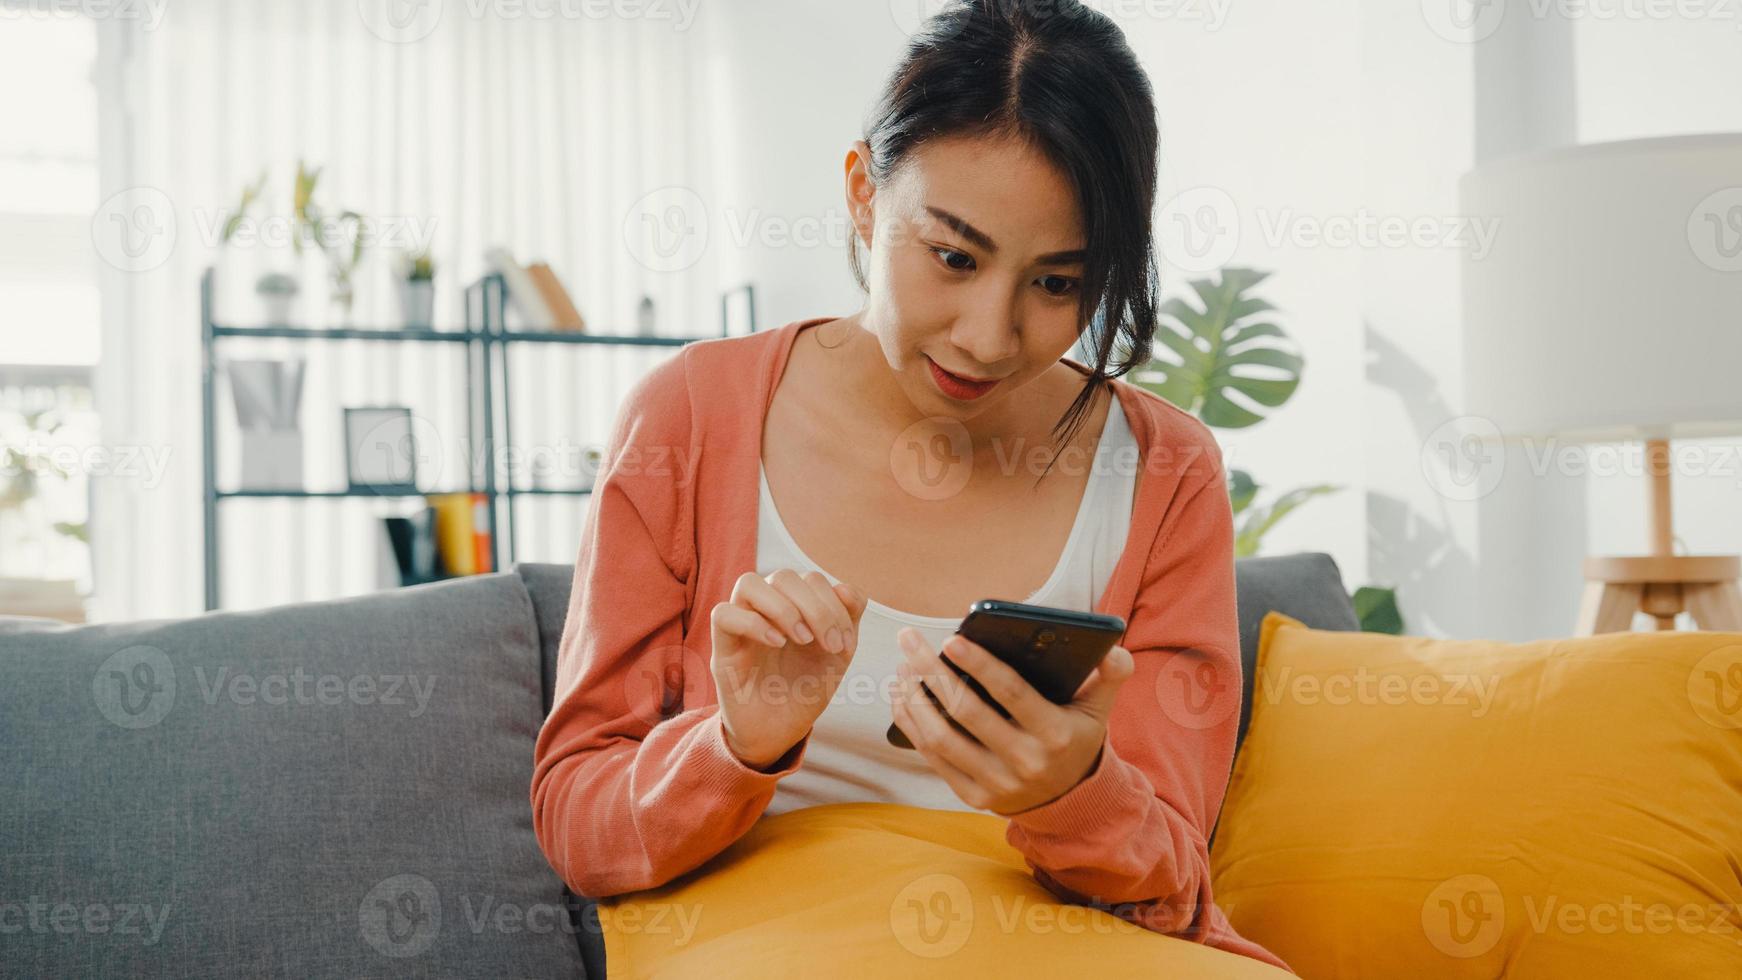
(823, 611)
(1098, 692)
(853, 599)
(958, 698)
(928, 729)
(803, 607)
(1030, 709)
(746, 624)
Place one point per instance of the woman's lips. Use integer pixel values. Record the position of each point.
(956, 386)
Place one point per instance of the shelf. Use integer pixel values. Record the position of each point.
(484, 342)
(450, 336)
(516, 492)
(382, 495)
(624, 340)
(348, 333)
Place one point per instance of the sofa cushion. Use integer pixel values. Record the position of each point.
(1436, 808)
(1306, 587)
(317, 790)
(549, 587)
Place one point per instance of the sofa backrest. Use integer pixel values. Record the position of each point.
(331, 788)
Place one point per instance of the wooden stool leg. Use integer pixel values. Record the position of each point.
(1608, 607)
(1715, 605)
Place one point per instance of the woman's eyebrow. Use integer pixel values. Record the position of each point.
(982, 240)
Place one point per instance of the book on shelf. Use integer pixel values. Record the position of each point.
(42, 599)
(462, 533)
(564, 315)
(411, 549)
(523, 292)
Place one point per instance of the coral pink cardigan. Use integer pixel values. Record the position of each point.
(632, 782)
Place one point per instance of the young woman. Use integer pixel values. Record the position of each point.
(787, 527)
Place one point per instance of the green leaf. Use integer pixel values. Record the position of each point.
(1262, 519)
(1270, 394)
(1242, 489)
(1217, 361)
(1219, 412)
(1377, 610)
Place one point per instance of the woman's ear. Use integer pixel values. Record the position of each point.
(860, 191)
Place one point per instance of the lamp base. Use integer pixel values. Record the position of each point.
(1662, 586)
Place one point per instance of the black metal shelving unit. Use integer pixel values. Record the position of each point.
(485, 338)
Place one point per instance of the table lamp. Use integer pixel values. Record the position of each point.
(1609, 309)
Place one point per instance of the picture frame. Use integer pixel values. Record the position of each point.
(380, 450)
(738, 311)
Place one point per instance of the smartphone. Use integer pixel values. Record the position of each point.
(1054, 650)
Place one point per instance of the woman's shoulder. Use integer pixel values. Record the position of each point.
(1168, 437)
(702, 370)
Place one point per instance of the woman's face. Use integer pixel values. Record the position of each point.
(974, 267)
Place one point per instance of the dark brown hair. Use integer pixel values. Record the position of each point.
(1061, 77)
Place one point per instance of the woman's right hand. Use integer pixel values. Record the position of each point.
(781, 647)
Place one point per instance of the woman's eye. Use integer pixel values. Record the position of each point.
(947, 254)
(1057, 285)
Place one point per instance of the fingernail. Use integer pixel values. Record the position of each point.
(774, 637)
(804, 634)
(834, 640)
(907, 641)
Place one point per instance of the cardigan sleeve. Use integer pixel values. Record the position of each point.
(1132, 836)
(627, 791)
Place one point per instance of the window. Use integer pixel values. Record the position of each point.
(48, 298)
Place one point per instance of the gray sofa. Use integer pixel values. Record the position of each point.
(326, 789)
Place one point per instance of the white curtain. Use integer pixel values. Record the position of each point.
(500, 127)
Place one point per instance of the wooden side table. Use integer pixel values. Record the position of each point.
(1662, 584)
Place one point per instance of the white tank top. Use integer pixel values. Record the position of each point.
(849, 759)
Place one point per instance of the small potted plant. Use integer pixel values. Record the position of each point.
(417, 291)
(277, 291)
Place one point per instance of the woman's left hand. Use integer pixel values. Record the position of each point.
(1012, 764)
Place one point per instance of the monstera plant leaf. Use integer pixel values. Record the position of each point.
(1227, 361)
(1377, 609)
(1256, 521)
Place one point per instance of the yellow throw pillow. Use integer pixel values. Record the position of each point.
(847, 890)
(1407, 807)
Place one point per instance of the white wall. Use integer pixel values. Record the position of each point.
(1243, 107)
(783, 115)
(1296, 116)
(1418, 97)
(1644, 77)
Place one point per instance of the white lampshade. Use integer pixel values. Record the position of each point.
(1610, 305)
